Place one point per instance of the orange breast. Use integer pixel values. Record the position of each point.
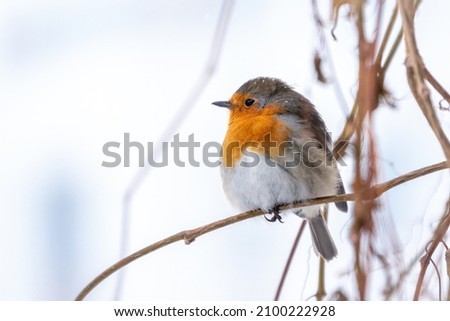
(249, 128)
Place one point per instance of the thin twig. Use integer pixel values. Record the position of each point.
(289, 260)
(190, 235)
(416, 75)
(439, 280)
(368, 91)
(438, 235)
(415, 70)
(386, 36)
(447, 263)
(433, 82)
(395, 45)
(348, 130)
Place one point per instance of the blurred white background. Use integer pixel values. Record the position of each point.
(77, 74)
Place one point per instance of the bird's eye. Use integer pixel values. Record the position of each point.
(249, 102)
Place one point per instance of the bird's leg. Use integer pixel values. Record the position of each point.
(276, 215)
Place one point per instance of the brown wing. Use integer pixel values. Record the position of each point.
(314, 125)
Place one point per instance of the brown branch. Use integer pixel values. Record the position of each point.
(433, 82)
(386, 36)
(437, 238)
(368, 95)
(436, 269)
(416, 74)
(289, 260)
(190, 235)
(447, 262)
(347, 132)
(395, 45)
(415, 70)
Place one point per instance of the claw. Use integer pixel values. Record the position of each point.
(276, 216)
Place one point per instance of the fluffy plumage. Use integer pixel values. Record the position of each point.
(277, 151)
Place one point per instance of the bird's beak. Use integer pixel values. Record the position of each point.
(225, 104)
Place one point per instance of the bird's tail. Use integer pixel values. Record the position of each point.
(322, 240)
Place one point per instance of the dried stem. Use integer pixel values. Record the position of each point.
(395, 45)
(447, 263)
(190, 235)
(433, 82)
(341, 143)
(415, 70)
(439, 279)
(368, 92)
(289, 260)
(386, 36)
(437, 238)
(416, 74)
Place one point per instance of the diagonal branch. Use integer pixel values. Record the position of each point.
(416, 74)
(190, 235)
(438, 235)
(289, 260)
(433, 82)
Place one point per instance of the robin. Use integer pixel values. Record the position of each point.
(277, 151)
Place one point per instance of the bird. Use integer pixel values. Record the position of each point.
(276, 151)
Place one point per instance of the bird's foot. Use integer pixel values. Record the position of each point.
(275, 215)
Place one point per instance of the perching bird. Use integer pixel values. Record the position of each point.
(277, 151)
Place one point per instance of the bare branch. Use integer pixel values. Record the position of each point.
(437, 238)
(416, 74)
(190, 235)
(447, 263)
(289, 260)
(433, 82)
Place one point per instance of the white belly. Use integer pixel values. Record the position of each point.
(261, 186)
(264, 185)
